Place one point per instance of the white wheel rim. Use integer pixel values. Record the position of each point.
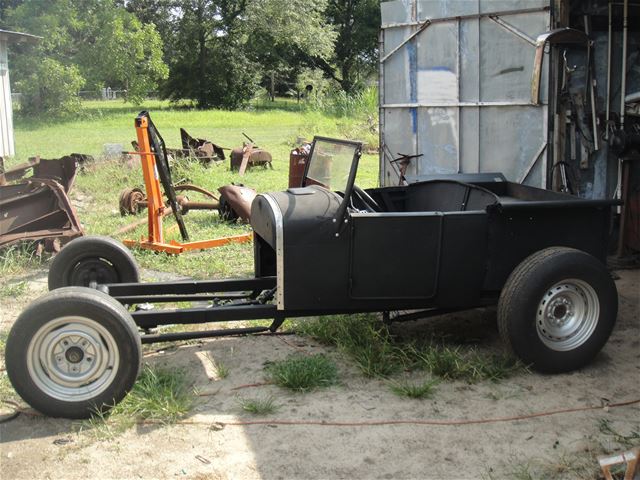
(567, 315)
(72, 358)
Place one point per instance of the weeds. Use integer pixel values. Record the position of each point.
(259, 405)
(159, 394)
(522, 471)
(303, 373)
(357, 114)
(19, 258)
(564, 467)
(456, 363)
(221, 370)
(362, 337)
(13, 290)
(626, 441)
(6, 389)
(414, 390)
(368, 342)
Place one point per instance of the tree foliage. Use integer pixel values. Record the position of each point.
(214, 52)
(208, 64)
(51, 88)
(222, 49)
(354, 56)
(90, 43)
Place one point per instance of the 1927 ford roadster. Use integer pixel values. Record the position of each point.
(331, 247)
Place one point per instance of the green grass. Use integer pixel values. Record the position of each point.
(303, 373)
(13, 290)
(221, 370)
(627, 441)
(259, 405)
(6, 389)
(362, 337)
(275, 127)
(19, 258)
(424, 389)
(464, 363)
(160, 395)
(366, 341)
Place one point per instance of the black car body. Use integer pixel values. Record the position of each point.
(330, 247)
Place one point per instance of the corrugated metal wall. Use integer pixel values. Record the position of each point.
(6, 112)
(457, 89)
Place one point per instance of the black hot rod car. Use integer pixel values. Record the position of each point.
(331, 247)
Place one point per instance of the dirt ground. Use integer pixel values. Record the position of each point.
(206, 446)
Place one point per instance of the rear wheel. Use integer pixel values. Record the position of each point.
(73, 352)
(557, 309)
(92, 260)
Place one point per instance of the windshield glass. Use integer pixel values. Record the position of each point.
(330, 163)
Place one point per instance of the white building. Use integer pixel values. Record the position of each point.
(6, 111)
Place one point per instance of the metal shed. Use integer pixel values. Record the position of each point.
(7, 37)
(456, 88)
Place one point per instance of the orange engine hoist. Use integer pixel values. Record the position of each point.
(156, 173)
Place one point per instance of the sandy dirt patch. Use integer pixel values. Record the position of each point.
(207, 446)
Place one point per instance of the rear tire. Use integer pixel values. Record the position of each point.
(73, 352)
(557, 309)
(92, 259)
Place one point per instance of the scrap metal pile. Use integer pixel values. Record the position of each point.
(233, 201)
(37, 208)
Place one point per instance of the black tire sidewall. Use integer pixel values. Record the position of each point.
(522, 332)
(74, 301)
(89, 249)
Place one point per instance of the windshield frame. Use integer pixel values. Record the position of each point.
(357, 153)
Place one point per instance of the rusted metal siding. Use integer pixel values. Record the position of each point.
(6, 111)
(456, 86)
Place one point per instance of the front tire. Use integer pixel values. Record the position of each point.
(557, 309)
(73, 352)
(92, 260)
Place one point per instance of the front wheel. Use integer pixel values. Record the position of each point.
(557, 309)
(73, 352)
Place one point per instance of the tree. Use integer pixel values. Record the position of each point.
(6, 5)
(208, 64)
(131, 55)
(279, 32)
(154, 12)
(224, 48)
(354, 58)
(51, 87)
(95, 42)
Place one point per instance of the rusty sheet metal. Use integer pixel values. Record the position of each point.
(36, 209)
(63, 170)
(17, 172)
(201, 148)
(249, 156)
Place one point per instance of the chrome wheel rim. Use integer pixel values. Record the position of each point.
(567, 315)
(72, 358)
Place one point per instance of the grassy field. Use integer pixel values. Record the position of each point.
(275, 126)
